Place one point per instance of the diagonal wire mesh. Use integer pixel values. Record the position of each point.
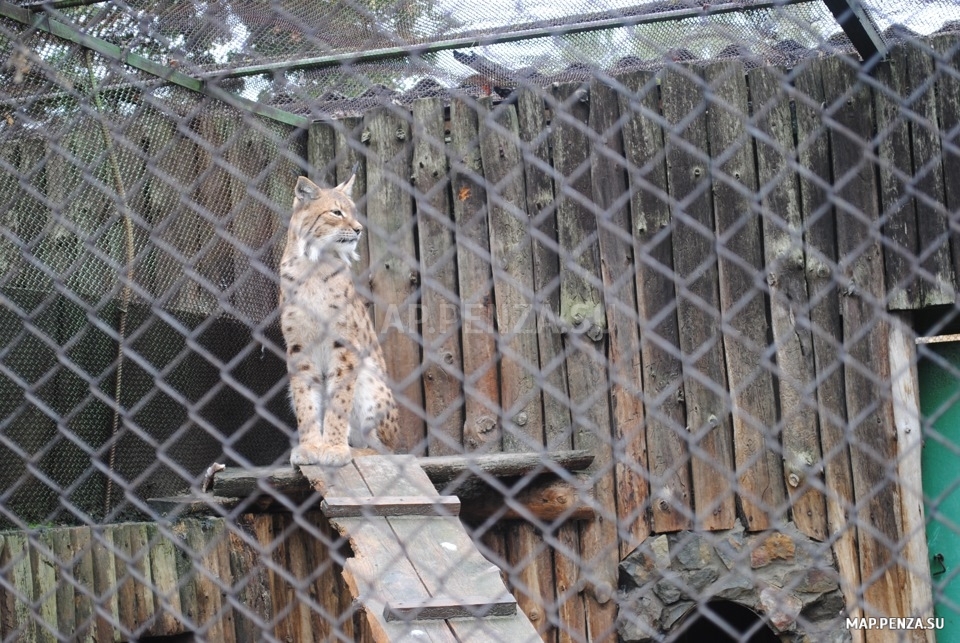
(665, 294)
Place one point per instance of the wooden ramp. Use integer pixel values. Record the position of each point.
(415, 569)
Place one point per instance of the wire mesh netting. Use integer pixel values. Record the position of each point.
(664, 295)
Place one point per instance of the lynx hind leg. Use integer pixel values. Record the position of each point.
(374, 421)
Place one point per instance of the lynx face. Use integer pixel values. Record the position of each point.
(324, 221)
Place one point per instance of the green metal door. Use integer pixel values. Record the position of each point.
(939, 373)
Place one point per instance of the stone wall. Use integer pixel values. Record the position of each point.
(787, 579)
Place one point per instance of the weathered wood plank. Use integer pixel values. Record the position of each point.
(43, 563)
(481, 389)
(608, 171)
(350, 158)
(900, 228)
(250, 574)
(163, 586)
(916, 253)
(582, 312)
(698, 301)
(443, 363)
(865, 331)
(18, 620)
(106, 599)
(322, 153)
(667, 459)
(521, 405)
(445, 559)
(203, 543)
(447, 473)
(819, 217)
(939, 281)
(298, 565)
(906, 411)
(444, 607)
(82, 571)
(61, 546)
(379, 550)
(390, 506)
(948, 111)
(535, 132)
(521, 399)
(785, 268)
(394, 270)
(750, 370)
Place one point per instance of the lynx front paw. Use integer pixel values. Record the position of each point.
(324, 456)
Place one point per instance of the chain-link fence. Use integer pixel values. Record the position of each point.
(665, 294)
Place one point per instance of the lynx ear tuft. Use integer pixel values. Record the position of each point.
(306, 190)
(347, 186)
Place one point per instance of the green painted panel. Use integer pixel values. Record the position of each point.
(939, 373)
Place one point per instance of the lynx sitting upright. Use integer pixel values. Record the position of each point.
(337, 372)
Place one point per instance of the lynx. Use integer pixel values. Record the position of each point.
(336, 366)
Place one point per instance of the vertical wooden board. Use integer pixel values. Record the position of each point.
(440, 316)
(865, 330)
(583, 315)
(18, 620)
(43, 562)
(63, 560)
(202, 540)
(325, 581)
(668, 460)
(933, 233)
(900, 229)
(297, 564)
(785, 263)
(82, 570)
(284, 605)
(535, 135)
(520, 400)
(322, 153)
(126, 590)
(163, 576)
(608, 171)
(813, 156)
(251, 579)
(144, 589)
(698, 300)
(532, 579)
(394, 270)
(948, 111)
(349, 132)
(750, 371)
(106, 588)
(481, 389)
(570, 600)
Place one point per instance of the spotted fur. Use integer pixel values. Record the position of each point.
(337, 372)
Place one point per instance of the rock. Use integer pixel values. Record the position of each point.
(774, 547)
(817, 581)
(673, 613)
(730, 547)
(781, 608)
(825, 608)
(691, 551)
(640, 616)
(667, 589)
(735, 586)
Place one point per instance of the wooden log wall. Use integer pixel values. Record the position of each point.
(667, 269)
(263, 576)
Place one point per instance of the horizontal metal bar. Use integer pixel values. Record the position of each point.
(43, 22)
(522, 32)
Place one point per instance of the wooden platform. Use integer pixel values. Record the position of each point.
(415, 569)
